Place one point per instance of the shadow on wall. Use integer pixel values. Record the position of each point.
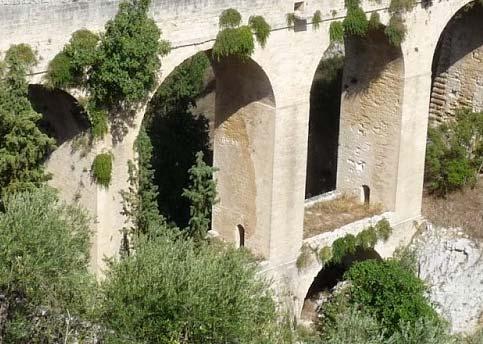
(62, 116)
(366, 60)
(243, 83)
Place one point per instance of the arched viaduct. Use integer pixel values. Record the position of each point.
(262, 116)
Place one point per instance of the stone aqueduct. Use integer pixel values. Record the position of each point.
(262, 114)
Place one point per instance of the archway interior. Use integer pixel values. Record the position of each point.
(370, 124)
(329, 277)
(458, 66)
(62, 116)
(243, 152)
(225, 109)
(323, 139)
(179, 123)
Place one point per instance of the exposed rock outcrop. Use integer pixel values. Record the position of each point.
(452, 265)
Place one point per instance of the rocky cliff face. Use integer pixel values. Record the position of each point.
(452, 265)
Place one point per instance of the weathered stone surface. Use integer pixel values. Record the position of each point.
(452, 266)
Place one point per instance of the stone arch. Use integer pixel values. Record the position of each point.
(62, 116)
(324, 118)
(328, 277)
(240, 129)
(243, 151)
(371, 111)
(457, 65)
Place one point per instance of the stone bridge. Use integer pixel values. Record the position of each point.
(262, 112)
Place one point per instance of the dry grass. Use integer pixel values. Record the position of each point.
(329, 215)
(459, 209)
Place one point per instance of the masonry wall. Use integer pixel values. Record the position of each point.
(370, 118)
(458, 67)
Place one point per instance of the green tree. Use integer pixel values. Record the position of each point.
(176, 135)
(117, 68)
(202, 195)
(140, 200)
(23, 147)
(454, 153)
(174, 290)
(390, 293)
(44, 256)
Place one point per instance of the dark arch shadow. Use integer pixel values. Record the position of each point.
(330, 275)
(324, 118)
(178, 128)
(62, 116)
(243, 82)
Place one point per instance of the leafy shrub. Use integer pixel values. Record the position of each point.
(68, 68)
(44, 255)
(176, 291)
(355, 23)
(102, 169)
(325, 254)
(343, 247)
(383, 229)
(98, 119)
(260, 28)
(128, 57)
(316, 19)
(353, 326)
(336, 31)
(234, 42)
(304, 258)
(454, 153)
(390, 292)
(21, 54)
(230, 18)
(396, 30)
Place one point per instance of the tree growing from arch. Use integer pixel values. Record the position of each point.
(116, 69)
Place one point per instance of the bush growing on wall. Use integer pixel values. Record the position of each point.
(396, 30)
(102, 169)
(236, 40)
(118, 68)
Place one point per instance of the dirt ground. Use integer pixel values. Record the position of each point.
(329, 215)
(460, 209)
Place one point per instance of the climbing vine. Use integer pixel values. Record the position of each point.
(116, 69)
(357, 24)
(347, 245)
(316, 20)
(235, 39)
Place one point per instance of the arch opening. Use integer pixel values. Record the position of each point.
(63, 117)
(456, 86)
(178, 123)
(324, 118)
(225, 109)
(327, 278)
(457, 66)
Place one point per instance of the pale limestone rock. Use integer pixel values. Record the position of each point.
(452, 266)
